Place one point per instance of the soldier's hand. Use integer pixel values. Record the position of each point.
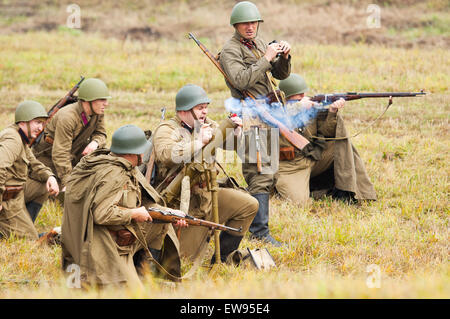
(339, 104)
(92, 146)
(1, 208)
(306, 103)
(52, 186)
(206, 133)
(286, 49)
(272, 51)
(140, 215)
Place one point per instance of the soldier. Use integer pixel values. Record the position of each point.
(251, 65)
(332, 166)
(17, 164)
(106, 224)
(176, 142)
(75, 131)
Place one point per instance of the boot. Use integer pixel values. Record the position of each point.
(33, 209)
(260, 225)
(345, 196)
(228, 244)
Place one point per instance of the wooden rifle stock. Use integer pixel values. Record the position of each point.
(55, 108)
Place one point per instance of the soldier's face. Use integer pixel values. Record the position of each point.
(247, 30)
(296, 97)
(99, 106)
(36, 127)
(201, 111)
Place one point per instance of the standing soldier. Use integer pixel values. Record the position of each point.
(17, 164)
(75, 131)
(332, 164)
(251, 65)
(176, 142)
(106, 224)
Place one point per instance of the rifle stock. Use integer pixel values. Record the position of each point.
(172, 217)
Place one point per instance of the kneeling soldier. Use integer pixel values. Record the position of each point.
(176, 142)
(17, 165)
(106, 224)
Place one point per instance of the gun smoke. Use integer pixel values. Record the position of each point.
(292, 115)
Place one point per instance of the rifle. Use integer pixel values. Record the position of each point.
(326, 99)
(292, 136)
(67, 99)
(166, 216)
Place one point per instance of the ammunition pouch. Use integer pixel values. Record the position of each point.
(11, 192)
(123, 237)
(287, 153)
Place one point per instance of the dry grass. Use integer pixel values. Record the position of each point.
(330, 245)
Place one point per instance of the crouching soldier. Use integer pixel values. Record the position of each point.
(330, 164)
(75, 131)
(176, 143)
(106, 225)
(17, 165)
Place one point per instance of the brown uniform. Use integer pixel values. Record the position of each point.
(174, 144)
(246, 68)
(323, 165)
(65, 137)
(97, 219)
(17, 164)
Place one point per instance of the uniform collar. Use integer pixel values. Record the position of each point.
(84, 117)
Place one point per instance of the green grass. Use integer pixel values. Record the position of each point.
(405, 232)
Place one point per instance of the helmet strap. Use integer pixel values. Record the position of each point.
(92, 109)
(28, 130)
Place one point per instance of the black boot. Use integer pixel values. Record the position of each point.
(260, 225)
(228, 244)
(33, 209)
(345, 196)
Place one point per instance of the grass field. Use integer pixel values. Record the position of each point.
(330, 245)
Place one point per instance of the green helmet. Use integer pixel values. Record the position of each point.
(189, 96)
(93, 89)
(293, 84)
(129, 139)
(29, 110)
(245, 11)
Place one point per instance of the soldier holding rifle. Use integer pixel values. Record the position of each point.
(106, 228)
(177, 143)
(332, 165)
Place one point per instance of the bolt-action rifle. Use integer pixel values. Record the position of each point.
(67, 99)
(327, 99)
(167, 216)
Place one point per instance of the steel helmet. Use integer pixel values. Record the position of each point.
(189, 96)
(129, 139)
(293, 84)
(29, 110)
(245, 11)
(93, 89)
